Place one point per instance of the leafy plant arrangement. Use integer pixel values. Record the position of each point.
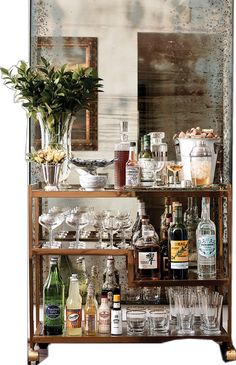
(54, 93)
(48, 155)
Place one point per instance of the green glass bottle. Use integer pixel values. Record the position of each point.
(53, 301)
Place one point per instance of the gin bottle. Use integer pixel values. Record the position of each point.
(206, 243)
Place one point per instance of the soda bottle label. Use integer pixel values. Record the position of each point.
(53, 311)
(179, 254)
(73, 318)
(147, 260)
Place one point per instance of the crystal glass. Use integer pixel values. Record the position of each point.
(77, 219)
(133, 295)
(97, 222)
(136, 321)
(185, 303)
(211, 316)
(50, 221)
(151, 295)
(125, 224)
(174, 166)
(111, 224)
(158, 320)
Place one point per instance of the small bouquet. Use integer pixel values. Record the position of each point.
(48, 155)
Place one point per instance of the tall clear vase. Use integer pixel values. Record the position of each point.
(56, 133)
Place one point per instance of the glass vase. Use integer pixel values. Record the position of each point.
(56, 134)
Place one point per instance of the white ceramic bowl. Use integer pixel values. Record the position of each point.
(93, 182)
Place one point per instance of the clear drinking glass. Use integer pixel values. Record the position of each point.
(174, 166)
(136, 321)
(111, 224)
(125, 224)
(185, 309)
(151, 295)
(77, 219)
(97, 222)
(133, 295)
(211, 316)
(158, 320)
(50, 221)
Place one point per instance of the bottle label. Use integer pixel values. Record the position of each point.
(147, 260)
(207, 245)
(165, 264)
(147, 232)
(90, 322)
(53, 311)
(179, 254)
(132, 175)
(147, 169)
(73, 318)
(116, 322)
(104, 321)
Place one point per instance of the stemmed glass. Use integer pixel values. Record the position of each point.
(97, 222)
(125, 223)
(50, 221)
(77, 219)
(111, 224)
(174, 166)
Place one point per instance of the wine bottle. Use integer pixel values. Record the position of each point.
(178, 246)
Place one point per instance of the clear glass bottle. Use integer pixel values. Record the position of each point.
(65, 268)
(147, 252)
(206, 243)
(166, 217)
(104, 314)
(178, 246)
(110, 265)
(53, 301)
(159, 151)
(146, 163)
(138, 223)
(90, 313)
(116, 315)
(141, 147)
(132, 168)
(82, 277)
(121, 155)
(96, 283)
(74, 309)
(201, 164)
(191, 221)
(110, 285)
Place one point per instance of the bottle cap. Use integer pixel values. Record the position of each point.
(54, 260)
(132, 144)
(116, 298)
(74, 278)
(80, 259)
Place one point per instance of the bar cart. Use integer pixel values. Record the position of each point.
(222, 196)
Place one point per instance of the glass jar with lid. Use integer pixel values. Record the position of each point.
(201, 164)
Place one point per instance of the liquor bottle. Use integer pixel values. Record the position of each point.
(147, 252)
(116, 316)
(178, 246)
(141, 147)
(121, 155)
(110, 285)
(53, 301)
(104, 314)
(159, 151)
(132, 168)
(74, 309)
(82, 277)
(110, 265)
(96, 283)
(191, 221)
(166, 217)
(146, 163)
(138, 223)
(206, 243)
(90, 313)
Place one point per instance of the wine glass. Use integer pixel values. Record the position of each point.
(111, 224)
(174, 166)
(125, 223)
(97, 222)
(77, 219)
(50, 221)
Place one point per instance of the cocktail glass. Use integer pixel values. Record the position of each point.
(174, 166)
(50, 221)
(77, 219)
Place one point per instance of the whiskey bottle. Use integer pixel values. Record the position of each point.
(147, 252)
(132, 168)
(206, 243)
(82, 277)
(53, 301)
(178, 246)
(116, 316)
(90, 313)
(74, 309)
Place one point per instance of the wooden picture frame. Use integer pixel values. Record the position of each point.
(73, 51)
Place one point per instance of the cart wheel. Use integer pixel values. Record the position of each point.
(33, 356)
(228, 352)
